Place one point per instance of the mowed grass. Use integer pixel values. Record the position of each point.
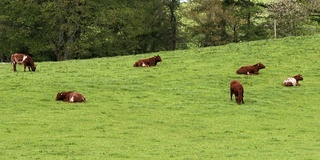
(180, 109)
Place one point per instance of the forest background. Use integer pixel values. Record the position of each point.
(55, 30)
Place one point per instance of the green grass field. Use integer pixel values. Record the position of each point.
(180, 109)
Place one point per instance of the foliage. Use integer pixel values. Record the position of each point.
(180, 109)
(313, 8)
(209, 22)
(63, 29)
(19, 22)
(220, 22)
(80, 29)
(290, 16)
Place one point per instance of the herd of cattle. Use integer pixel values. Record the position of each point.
(236, 87)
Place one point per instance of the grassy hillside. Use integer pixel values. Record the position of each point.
(180, 109)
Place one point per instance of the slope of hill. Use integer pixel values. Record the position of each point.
(180, 109)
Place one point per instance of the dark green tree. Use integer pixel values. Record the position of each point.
(246, 19)
(64, 29)
(66, 22)
(209, 22)
(160, 25)
(19, 27)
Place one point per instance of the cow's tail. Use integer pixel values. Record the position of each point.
(12, 59)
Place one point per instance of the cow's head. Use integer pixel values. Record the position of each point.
(298, 77)
(157, 58)
(33, 68)
(29, 62)
(59, 96)
(239, 99)
(260, 65)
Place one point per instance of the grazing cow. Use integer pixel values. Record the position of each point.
(26, 60)
(293, 81)
(148, 62)
(70, 97)
(254, 69)
(236, 88)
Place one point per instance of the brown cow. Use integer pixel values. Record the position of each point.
(293, 81)
(148, 62)
(254, 69)
(26, 60)
(236, 88)
(70, 97)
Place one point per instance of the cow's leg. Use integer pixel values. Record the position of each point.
(288, 84)
(255, 71)
(14, 66)
(231, 94)
(24, 66)
(71, 99)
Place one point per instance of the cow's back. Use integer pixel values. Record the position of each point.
(76, 97)
(17, 58)
(140, 63)
(290, 82)
(244, 70)
(70, 97)
(236, 85)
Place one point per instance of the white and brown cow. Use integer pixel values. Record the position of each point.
(148, 62)
(254, 69)
(26, 60)
(70, 96)
(293, 81)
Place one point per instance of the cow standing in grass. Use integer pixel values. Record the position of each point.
(70, 97)
(26, 60)
(236, 88)
(148, 62)
(293, 81)
(254, 69)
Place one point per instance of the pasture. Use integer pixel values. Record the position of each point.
(180, 109)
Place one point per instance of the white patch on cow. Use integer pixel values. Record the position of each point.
(143, 65)
(24, 58)
(292, 80)
(72, 99)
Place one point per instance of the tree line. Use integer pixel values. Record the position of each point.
(55, 30)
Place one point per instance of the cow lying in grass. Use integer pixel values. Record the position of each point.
(236, 88)
(70, 97)
(148, 62)
(19, 58)
(254, 69)
(293, 81)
